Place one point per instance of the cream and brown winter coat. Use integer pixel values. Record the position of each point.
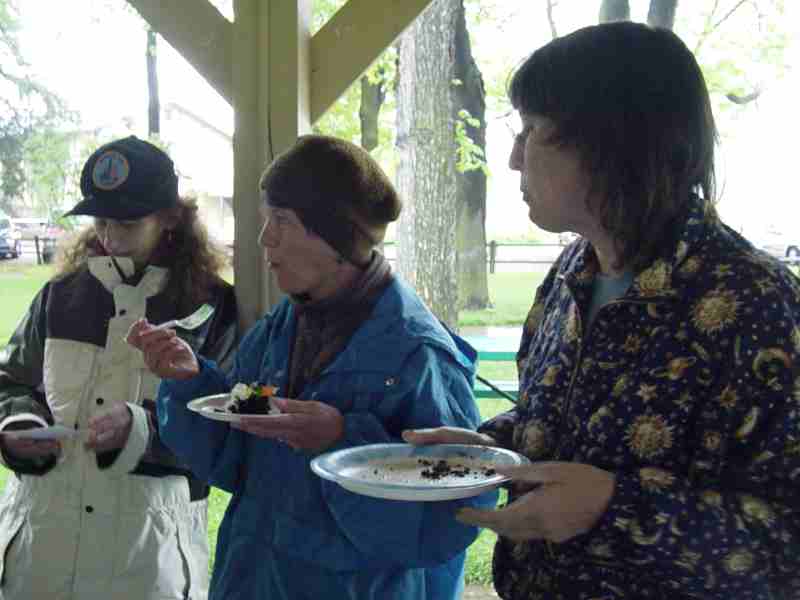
(123, 524)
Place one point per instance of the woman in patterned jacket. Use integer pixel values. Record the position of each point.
(659, 381)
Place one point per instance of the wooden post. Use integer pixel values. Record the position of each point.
(268, 67)
(270, 97)
(492, 255)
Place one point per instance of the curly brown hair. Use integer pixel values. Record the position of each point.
(194, 260)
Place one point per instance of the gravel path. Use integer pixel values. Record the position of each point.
(479, 592)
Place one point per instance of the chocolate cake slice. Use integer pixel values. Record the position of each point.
(252, 399)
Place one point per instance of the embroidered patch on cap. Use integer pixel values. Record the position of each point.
(110, 170)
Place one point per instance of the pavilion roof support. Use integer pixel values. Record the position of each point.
(279, 80)
(270, 77)
(199, 32)
(351, 41)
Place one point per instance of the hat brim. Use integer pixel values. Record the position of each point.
(125, 210)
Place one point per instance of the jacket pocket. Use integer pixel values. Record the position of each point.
(157, 563)
(67, 370)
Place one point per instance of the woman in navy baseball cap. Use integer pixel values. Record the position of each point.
(109, 511)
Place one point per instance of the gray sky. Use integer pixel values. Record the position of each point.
(94, 58)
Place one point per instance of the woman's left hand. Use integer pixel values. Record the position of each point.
(110, 430)
(568, 499)
(302, 424)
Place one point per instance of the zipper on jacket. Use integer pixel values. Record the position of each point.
(82, 413)
(583, 341)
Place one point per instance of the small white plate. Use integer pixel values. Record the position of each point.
(395, 471)
(53, 432)
(213, 407)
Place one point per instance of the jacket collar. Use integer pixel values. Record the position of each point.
(103, 269)
(398, 316)
(656, 281)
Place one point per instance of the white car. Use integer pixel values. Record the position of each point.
(10, 242)
(780, 246)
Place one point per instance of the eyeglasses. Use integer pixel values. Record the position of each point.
(519, 136)
(275, 223)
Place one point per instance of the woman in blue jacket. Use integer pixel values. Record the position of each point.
(357, 358)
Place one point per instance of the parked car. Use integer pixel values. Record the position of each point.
(31, 228)
(10, 242)
(779, 245)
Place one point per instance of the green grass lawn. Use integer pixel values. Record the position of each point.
(19, 284)
(512, 297)
(511, 293)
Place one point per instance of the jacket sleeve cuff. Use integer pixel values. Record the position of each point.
(25, 466)
(138, 440)
(209, 380)
(501, 428)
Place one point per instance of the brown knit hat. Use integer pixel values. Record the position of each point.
(337, 190)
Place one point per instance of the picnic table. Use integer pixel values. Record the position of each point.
(499, 347)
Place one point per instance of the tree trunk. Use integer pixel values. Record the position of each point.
(372, 97)
(470, 95)
(12, 182)
(551, 20)
(614, 10)
(154, 107)
(662, 13)
(426, 174)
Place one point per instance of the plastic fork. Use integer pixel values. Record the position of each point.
(193, 321)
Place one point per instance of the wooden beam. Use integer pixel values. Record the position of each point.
(350, 42)
(270, 83)
(250, 141)
(199, 32)
(289, 38)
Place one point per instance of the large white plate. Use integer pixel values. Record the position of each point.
(210, 407)
(394, 471)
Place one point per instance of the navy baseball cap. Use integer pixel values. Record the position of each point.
(125, 180)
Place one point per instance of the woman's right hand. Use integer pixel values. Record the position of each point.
(165, 354)
(447, 435)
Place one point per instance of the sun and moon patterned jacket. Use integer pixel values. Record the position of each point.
(687, 388)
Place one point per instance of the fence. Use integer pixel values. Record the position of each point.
(45, 249)
(499, 253)
(544, 259)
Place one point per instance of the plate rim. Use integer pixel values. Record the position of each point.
(496, 480)
(222, 416)
(430, 494)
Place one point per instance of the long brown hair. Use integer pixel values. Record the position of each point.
(194, 260)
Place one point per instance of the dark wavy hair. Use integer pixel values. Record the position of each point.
(194, 260)
(632, 101)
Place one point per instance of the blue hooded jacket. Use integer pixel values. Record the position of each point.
(289, 534)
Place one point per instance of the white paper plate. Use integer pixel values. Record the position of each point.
(395, 471)
(212, 407)
(53, 432)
